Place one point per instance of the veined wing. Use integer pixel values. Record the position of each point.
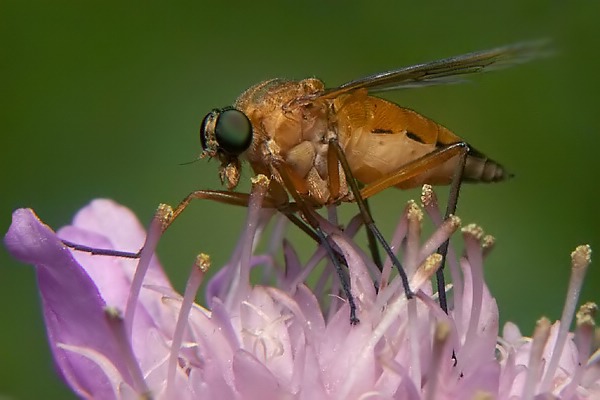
(447, 70)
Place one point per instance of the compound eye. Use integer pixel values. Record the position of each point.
(204, 130)
(233, 131)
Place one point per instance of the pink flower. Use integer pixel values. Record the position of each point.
(117, 328)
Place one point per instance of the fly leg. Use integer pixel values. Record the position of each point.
(338, 154)
(417, 167)
(221, 196)
(372, 241)
(295, 187)
(277, 200)
(100, 252)
(334, 191)
(450, 210)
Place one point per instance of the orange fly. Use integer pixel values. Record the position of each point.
(316, 143)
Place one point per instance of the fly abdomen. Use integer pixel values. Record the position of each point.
(479, 168)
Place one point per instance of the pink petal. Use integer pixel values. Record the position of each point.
(253, 380)
(73, 308)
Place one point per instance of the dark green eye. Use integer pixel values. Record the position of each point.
(233, 131)
(227, 131)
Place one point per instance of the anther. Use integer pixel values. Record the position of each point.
(203, 262)
(164, 214)
(473, 229)
(414, 211)
(428, 197)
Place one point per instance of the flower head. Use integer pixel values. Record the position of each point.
(118, 329)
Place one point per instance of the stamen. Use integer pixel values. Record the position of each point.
(203, 262)
(119, 330)
(438, 357)
(591, 375)
(487, 243)
(336, 301)
(332, 216)
(292, 267)
(538, 343)
(414, 212)
(162, 217)
(474, 230)
(580, 260)
(483, 396)
(441, 234)
(354, 225)
(197, 274)
(240, 281)
(473, 268)
(360, 281)
(351, 230)
(583, 338)
(415, 217)
(415, 339)
(399, 235)
(431, 207)
(312, 263)
(436, 240)
(423, 274)
(277, 235)
(316, 258)
(426, 270)
(319, 254)
(429, 200)
(586, 314)
(164, 214)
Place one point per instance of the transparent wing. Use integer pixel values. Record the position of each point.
(447, 70)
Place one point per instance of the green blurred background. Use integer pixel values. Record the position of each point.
(104, 99)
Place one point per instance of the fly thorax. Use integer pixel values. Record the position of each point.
(321, 149)
(301, 158)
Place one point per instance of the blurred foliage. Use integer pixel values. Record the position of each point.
(104, 99)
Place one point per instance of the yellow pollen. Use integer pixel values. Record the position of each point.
(203, 261)
(474, 230)
(586, 314)
(414, 211)
(480, 395)
(581, 257)
(113, 313)
(432, 262)
(454, 221)
(164, 213)
(488, 241)
(261, 180)
(542, 328)
(442, 331)
(427, 195)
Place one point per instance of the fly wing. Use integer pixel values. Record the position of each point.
(447, 70)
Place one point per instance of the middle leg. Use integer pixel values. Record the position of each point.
(337, 154)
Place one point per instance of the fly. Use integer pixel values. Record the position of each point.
(317, 144)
